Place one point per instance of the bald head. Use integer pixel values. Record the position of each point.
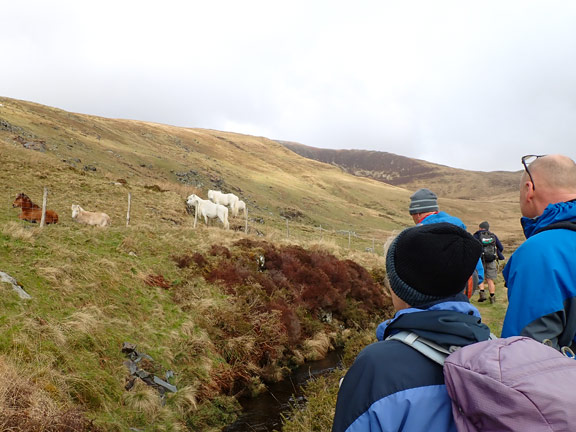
(554, 180)
(556, 172)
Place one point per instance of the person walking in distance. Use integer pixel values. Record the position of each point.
(541, 273)
(491, 253)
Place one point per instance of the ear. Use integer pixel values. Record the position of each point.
(528, 187)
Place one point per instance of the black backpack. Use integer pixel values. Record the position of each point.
(488, 240)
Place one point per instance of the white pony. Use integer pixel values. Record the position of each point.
(240, 205)
(208, 209)
(228, 199)
(89, 218)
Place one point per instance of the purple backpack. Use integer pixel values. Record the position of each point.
(507, 384)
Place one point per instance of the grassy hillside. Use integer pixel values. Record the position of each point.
(224, 310)
(271, 179)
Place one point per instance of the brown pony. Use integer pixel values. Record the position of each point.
(31, 212)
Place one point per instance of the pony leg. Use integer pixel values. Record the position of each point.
(224, 222)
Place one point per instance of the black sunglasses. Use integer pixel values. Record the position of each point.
(526, 161)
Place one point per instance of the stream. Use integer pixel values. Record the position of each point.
(264, 412)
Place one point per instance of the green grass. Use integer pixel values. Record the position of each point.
(89, 296)
(493, 314)
(321, 394)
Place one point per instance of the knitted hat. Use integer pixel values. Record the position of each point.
(426, 263)
(423, 201)
(484, 225)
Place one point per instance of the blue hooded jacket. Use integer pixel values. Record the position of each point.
(391, 387)
(445, 217)
(541, 280)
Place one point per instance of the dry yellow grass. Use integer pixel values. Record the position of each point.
(143, 399)
(19, 232)
(185, 400)
(317, 347)
(25, 406)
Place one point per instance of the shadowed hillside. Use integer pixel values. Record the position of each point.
(413, 173)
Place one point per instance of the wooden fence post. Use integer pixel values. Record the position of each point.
(246, 214)
(44, 202)
(128, 212)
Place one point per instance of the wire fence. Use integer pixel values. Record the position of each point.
(350, 238)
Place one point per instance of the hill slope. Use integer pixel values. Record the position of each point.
(266, 175)
(271, 179)
(413, 173)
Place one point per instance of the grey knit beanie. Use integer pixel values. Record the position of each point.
(430, 262)
(423, 201)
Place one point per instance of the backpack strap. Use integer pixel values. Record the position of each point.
(432, 350)
(424, 346)
(569, 225)
(567, 351)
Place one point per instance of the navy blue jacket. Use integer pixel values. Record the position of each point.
(499, 247)
(392, 387)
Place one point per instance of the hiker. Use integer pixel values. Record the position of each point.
(391, 386)
(424, 210)
(491, 253)
(541, 273)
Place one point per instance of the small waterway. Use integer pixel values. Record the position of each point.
(264, 412)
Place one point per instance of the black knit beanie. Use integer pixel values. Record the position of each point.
(426, 263)
(423, 201)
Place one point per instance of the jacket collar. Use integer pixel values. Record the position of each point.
(456, 304)
(562, 211)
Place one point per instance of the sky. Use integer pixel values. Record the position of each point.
(472, 85)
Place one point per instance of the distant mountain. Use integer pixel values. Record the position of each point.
(414, 173)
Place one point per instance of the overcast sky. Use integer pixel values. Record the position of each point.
(472, 85)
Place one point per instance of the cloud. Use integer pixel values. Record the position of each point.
(444, 81)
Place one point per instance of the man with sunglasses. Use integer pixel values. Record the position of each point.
(541, 274)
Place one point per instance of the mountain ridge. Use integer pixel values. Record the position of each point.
(412, 173)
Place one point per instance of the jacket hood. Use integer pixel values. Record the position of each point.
(453, 321)
(559, 212)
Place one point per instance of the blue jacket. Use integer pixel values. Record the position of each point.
(445, 217)
(541, 280)
(391, 387)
